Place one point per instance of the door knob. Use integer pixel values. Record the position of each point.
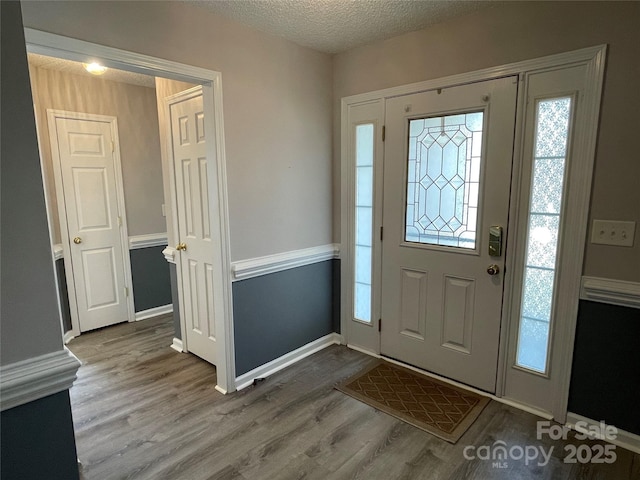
(77, 240)
(181, 246)
(493, 269)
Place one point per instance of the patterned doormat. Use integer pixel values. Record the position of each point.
(436, 407)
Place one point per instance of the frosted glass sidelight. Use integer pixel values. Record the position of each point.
(443, 178)
(364, 221)
(550, 150)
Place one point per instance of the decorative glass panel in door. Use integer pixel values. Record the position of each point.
(443, 178)
(364, 221)
(550, 151)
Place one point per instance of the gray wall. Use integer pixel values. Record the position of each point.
(29, 328)
(277, 313)
(37, 438)
(135, 110)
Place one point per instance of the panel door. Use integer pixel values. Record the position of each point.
(194, 227)
(88, 173)
(448, 157)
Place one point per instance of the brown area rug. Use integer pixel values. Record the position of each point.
(436, 407)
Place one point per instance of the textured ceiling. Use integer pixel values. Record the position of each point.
(333, 26)
(76, 68)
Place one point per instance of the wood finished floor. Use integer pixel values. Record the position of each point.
(144, 411)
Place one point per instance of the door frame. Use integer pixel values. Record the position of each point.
(78, 50)
(52, 115)
(579, 197)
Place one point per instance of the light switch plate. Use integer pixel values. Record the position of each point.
(612, 232)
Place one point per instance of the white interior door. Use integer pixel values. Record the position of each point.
(87, 174)
(448, 157)
(197, 250)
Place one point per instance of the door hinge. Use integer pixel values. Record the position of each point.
(119, 221)
(381, 232)
(379, 324)
(113, 146)
(384, 132)
(126, 291)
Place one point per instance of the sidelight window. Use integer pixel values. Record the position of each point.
(552, 125)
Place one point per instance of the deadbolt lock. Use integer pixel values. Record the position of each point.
(495, 241)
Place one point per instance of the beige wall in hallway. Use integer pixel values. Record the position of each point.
(135, 109)
(277, 108)
(519, 31)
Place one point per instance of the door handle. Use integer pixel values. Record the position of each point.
(77, 240)
(493, 269)
(181, 246)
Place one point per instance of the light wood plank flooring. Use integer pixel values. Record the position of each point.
(143, 411)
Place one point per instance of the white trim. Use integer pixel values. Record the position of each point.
(567, 58)
(58, 252)
(607, 290)
(73, 49)
(286, 360)
(148, 240)
(278, 262)
(154, 312)
(29, 380)
(177, 345)
(59, 46)
(170, 254)
(67, 337)
(623, 439)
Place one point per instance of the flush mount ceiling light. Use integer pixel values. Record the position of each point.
(94, 68)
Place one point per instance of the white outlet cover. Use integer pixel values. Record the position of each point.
(613, 232)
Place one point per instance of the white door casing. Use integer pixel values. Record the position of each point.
(440, 308)
(196, 260)
(85, 153)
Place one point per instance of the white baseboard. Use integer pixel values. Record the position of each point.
(278, 262)
(177, 345)
(34, 378)
(615, 292)
(627, 440)
(284, 361)
(154, 312)
(67, 337)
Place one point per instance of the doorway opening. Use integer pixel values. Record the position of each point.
(74, 50)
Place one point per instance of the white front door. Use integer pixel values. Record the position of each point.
(87, 174)
(448, 157)
(196, 248)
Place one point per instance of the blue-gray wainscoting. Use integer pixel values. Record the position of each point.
(606, 365)
(277, 313)
(38, 441)
(173, 274)
(151, 281)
